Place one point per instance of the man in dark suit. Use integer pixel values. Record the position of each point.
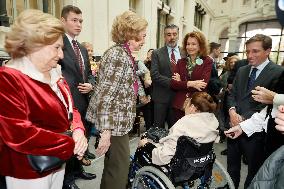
(214, 85)
(163, 62)
(76, 70)
(260, 72)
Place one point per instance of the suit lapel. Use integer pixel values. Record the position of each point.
(166, 55)
(263, 76)
(69, 49)
(245, 77)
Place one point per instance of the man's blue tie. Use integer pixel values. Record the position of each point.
(252, 78)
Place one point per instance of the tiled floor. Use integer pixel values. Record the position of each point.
(97, 165)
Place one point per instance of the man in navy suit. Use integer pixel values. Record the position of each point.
(260, 72)
(163, 62)
(76, 70)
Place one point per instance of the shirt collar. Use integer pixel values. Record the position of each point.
(25, 66)
(262, 65)
(70, 38)
(176, 49)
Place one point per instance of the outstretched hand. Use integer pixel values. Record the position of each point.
(263, 95)
(234, 132)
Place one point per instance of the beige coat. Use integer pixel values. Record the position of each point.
(200, 126)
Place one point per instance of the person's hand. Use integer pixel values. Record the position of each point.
(235, 118)
(81, 143)
(263, 95)
(144, 99)
(104, 143)
(148, 83)
(190, 109)
(85, 88)
(176, 77)
(229, 87)
(234, 132)
(142, 142)
(279, 119)
(197, 84)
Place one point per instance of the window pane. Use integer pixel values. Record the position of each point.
(280, 58)
(267, 28)
(273, 56)
(275, 42)
(282, 44)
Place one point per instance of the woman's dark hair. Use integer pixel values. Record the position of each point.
(203, 102)
(202, 41)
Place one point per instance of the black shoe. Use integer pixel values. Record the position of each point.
(70, 186)
(90, 155)
(224, 152)
(86, 176)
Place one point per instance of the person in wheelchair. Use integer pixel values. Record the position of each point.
(198, 123)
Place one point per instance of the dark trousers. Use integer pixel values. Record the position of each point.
(253, 148)
(2, 182)
(73, 167)
(163, 112)
(148, 114)
(116, 164)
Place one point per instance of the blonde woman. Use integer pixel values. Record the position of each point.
(36, 104)
(112, 106)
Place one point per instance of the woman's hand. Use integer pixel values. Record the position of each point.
(197, 84)
(190, 109)
(104, 143)
(176, 77)
(279, 119)
(81, 143)
(142, 142)
(234, 132)
(263, 95)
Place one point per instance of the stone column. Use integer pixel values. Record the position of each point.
(232, 35)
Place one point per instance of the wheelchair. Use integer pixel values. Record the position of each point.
(194, 165)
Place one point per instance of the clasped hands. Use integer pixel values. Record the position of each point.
(85, 88)
(81, 143)
(197, 84)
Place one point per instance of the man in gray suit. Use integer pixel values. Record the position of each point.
(163, 63)
(260, 72)
(76, 70)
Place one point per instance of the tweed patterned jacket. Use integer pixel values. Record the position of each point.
(113, 103)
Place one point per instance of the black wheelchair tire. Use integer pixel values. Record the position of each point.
(224, 171)
(153, 172)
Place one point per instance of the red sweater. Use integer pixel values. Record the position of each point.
(31, 120)
(199, 72)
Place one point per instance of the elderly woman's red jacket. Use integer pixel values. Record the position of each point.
(31, 119)
(199, 72)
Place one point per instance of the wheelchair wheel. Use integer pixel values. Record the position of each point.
(220, 177)
(151, 178)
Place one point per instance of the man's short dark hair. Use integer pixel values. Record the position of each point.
(266, 41)
(70, 8)
(171, 26)
(214, 45)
